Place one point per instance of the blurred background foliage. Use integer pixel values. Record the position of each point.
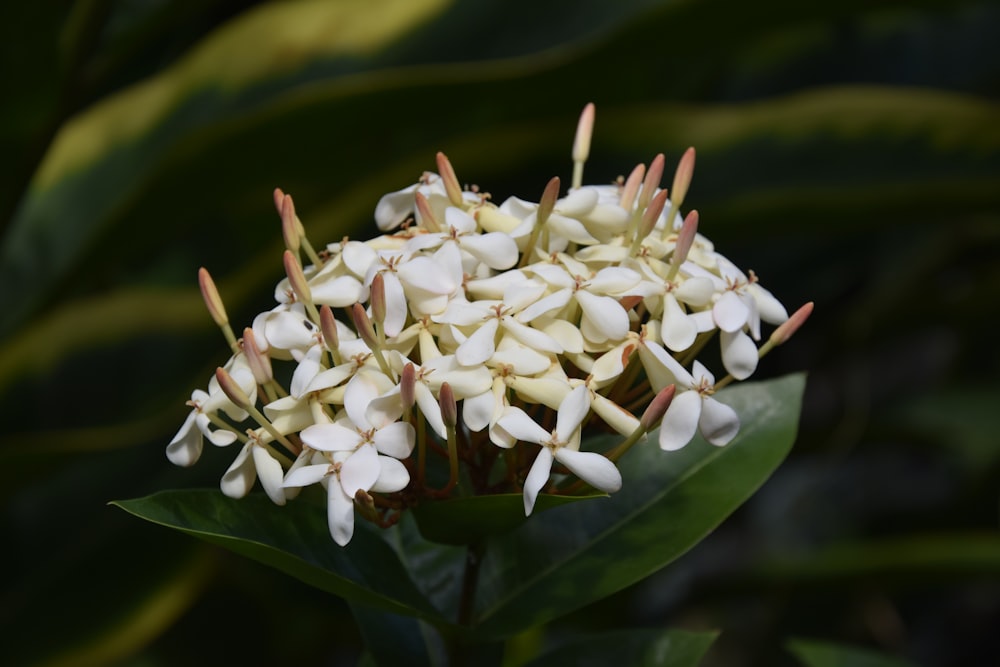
(848, 152)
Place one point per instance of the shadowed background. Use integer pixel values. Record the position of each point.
(848, 152)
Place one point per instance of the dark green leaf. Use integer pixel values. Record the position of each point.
(468, 520)
(293, 539)
(580, 553)
(641, 648)
(826, 654)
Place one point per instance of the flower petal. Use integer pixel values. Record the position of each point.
(536, 479)
(572, 411)
(680, 421)
(239, 478)
(396, 439)
(306, 475)
(330, 437)
(339, 513)
(392, 476)
(592, 468)
(518, 424)
(739, 354)
(719, 423)
(360, 470)
(270, 473)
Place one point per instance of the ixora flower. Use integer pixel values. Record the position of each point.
(469, 325)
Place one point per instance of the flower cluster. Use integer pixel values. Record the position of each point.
(470, 327)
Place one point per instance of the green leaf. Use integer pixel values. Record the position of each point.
(467, 520)
(391, 639)
(579, 553)
(293, 539)
(642, 648)
(826, 654)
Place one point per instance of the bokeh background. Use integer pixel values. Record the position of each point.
(848, 152)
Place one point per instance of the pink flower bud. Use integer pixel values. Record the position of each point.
(682, 177)
(584, 132)
(548, 201)
(296, 278)
(363, 325)
(449, 409)
(657, 407)
(407, 386)
(377, 298)
(260, 363)
(792, 324)
(328, 325)
(451, 184)
(211, 296)
(231, 389)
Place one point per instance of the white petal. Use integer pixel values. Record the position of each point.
(572, 411)
(605, 313)
(771, 310)
(522, 427)
(339, 514)
(496, 250)
(553, 301)
(306, 371)
(240, 476)
(431, 409)
(425, 274)
(337, 293)
(719, 423)
(392, 476)
(358, 257)
(395, 304)
(567, 335)
(477, 411)
(695, 291)
(536, 479)
(360, 470)
(185, 448)
(480, 346)
(613, 414)
(730, 312)
(613, 280)
(739, 354)
(306, 475)
(330, 437)
(678, 330)
(363, 388)
(393, 208)
(570, 228)
(533, 338)
(612, 363)
(592, 468)
(385, 409)
(395, 439)
(578, 202)
(680, 421)
(270, 473)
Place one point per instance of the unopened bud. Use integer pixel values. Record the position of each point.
(231, 389)
(548, 201)
(363, 325)
(407, 386)
(260, 363)
(425, 212)
(296, 278)
(366, 505)
(584, 131)
(652, 214)
(449, 409)
(792, 324)
(377, 298)
(451, 185)
(652, 181)
(212, 299)
(682, 177)
(631, 187)
(289, 226)
(685, 238)
(279, 197)
(328, 325)
(657, 407)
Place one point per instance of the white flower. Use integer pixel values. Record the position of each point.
(186, 446)
(693, 408)
(560, 445)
